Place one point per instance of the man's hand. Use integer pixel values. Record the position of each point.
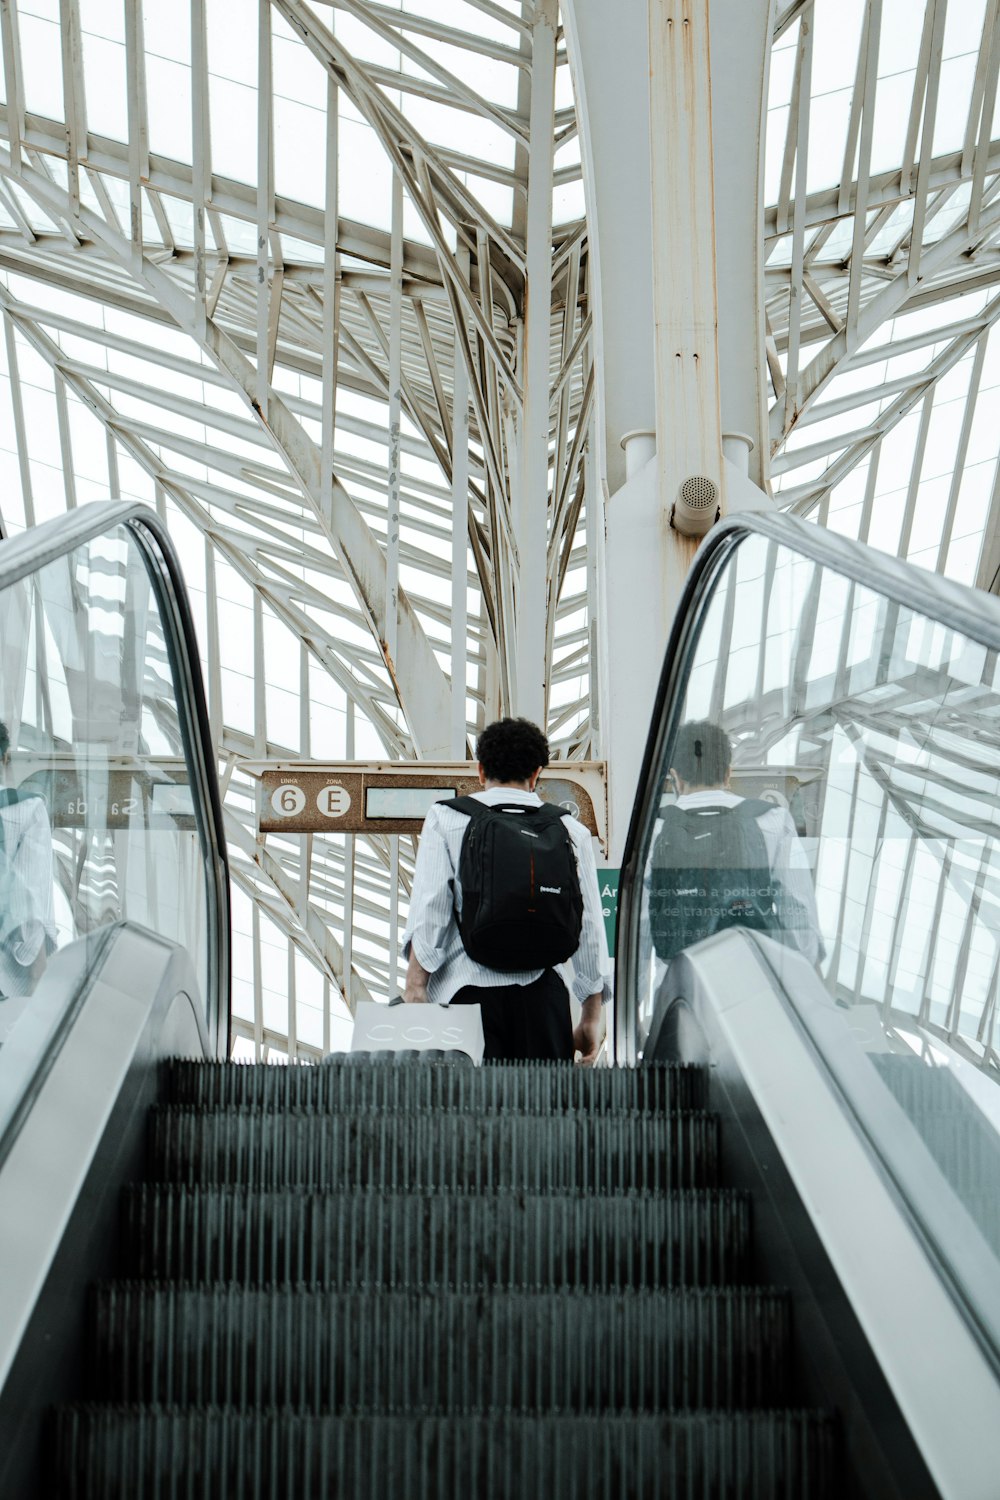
(415, 989)
(589, 1034)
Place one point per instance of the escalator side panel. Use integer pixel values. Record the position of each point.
(837, 1359)
(61, 1180)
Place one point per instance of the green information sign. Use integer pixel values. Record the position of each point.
(607, 885)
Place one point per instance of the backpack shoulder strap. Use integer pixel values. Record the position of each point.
(471, 806)
(11, 795)
(550, 812)
(673, 817)
(753, 807)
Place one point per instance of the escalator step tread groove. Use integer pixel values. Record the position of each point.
(323, 1350)
(342, 1086)
(407, 1276)
(559, 1153)
(368, 1237)
(119, 1452)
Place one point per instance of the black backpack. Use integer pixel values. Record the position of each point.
(521, 901)
(709, 870)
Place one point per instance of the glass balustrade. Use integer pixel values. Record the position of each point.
(867, 734)
(103, 810)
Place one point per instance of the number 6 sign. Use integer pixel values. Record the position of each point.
(287, 800)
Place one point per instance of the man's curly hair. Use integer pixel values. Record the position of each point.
(512, 750)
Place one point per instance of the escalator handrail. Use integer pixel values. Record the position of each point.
(38, 547)
(961, 1254)
(954, 605)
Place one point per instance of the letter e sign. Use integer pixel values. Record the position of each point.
(333, 801)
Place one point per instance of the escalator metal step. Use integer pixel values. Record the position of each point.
(536, 1153)
(344, 1086)
(383, 1350)
(117, 1454)
(370, 1238)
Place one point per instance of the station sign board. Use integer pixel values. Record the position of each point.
(798, 789)
(395, 796)
(113, 793)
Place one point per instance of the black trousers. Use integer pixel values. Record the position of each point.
(523, 1020)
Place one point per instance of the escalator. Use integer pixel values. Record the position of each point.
(753, 1260)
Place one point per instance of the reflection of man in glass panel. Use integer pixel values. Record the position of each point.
(720, 860)
(27, 916)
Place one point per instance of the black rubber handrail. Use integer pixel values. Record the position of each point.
(963, 1257)
(36, 548)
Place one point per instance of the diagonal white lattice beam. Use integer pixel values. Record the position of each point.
(427, 701)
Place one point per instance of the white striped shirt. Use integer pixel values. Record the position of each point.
(28, 906)
(432, 928)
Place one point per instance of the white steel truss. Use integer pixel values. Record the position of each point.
(313, 279)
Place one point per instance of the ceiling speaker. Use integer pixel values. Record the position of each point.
(696, 507)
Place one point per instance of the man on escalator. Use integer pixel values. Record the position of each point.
(505, 909)
(720, 860)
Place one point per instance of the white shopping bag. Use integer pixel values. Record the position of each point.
(397, 1028)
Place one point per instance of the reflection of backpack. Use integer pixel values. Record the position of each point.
(17, 906)
(521, 901)
(709, 870)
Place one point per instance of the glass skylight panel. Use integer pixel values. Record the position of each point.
(828, 121)
(233, 114)
(300, 137)
(782, 72)
(963, 28)
(774, 150)
(41, 61)
(836, 38)
(365, 176)
(106, 86)
(957, 74)
(295, 73)
(168, 104)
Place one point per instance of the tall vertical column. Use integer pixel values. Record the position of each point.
(460, 541)
(665, 265)
(531, 497)
(685, 302)
(648, 558)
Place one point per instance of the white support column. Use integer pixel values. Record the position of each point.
(265, 202)
(201, 155)
(9, 34)
(658, 257)
(331, 293)
(647, 558)
(608, 49)
(459, 544)
(531, 498)
(395, 414)
(347, 988)
(685, 304)
(740, 71)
